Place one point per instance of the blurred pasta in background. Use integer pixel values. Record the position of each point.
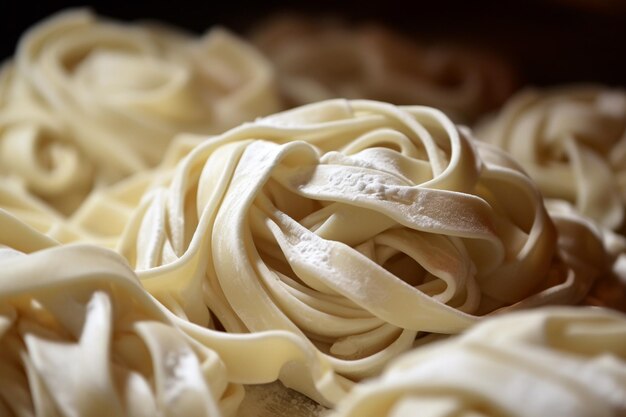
(87, 101)
(321, 59)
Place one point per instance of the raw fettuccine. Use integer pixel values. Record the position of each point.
(102, 217)
(609, 290)
(546, 362)
(87, 101)
(145, 272)
(357, 225)
(80, 336)
(572, 142)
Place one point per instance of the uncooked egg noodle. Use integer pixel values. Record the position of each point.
(318, 60)
(88, 101)
(79, 336)
(102, 216)
(358, 226)
(569, 361)
(572, 142)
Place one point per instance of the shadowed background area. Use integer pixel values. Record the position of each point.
(550, 42)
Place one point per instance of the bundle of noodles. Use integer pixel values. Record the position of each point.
(358, 226)
(87, 101)
(79, 335)
(572, 142)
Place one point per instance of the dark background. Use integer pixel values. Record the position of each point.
(550, 41)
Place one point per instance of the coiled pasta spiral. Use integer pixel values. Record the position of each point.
(88, 101)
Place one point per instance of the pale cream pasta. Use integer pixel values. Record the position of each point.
(358, 226)
(103, 215)
(313, 246)
(100, 220)
(610, 289)
(37, 152)
(80, 336)
(572, 142)
(546, 362)
(318, 60)
(87, 101)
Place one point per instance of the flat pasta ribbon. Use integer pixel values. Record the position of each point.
(609, 290)
(80, 337)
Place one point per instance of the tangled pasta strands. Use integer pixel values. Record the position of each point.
(572, 142)
(356, 225)
(568, 361)
(79, 335)
(89, 101)
(609, 290)
(35, 150)
(322, 60)
(103, 215)
(100, 220)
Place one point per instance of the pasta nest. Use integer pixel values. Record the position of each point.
(88, 101)
(359, 226)
(572, 142)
